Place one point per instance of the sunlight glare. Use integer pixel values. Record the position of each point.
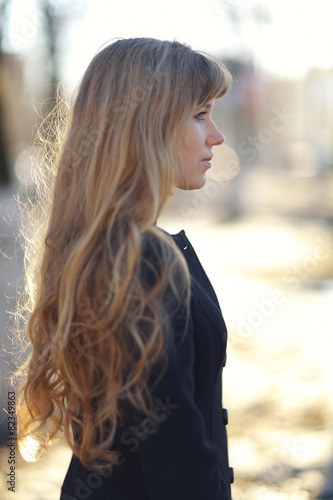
(29, 449)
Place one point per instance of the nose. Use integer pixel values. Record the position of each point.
(215, 136)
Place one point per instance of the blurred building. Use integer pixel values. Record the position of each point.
(13, 134)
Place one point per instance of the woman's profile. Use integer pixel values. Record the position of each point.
(127, 338)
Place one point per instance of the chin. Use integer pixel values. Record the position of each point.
(197, 185)
(191, 186)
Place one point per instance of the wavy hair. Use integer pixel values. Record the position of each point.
(102, 281)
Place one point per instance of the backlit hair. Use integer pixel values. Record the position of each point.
(102, 281)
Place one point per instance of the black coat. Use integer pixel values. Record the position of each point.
(180, 453)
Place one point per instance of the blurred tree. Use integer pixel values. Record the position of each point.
(56, 16)
(4, 163)
(54, 19)
(241, 14)
(4, 4)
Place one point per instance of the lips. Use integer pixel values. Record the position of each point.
(207, 161)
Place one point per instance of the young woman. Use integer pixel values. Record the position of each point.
(128, 340)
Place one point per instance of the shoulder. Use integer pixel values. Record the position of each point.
(165, 275)
(161, 256)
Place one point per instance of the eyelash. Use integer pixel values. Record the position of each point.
(199, 115)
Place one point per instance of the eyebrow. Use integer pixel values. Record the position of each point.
(208, 105)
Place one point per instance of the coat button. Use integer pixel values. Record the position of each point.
(225, 416)
(231, 473)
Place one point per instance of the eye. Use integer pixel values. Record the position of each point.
(200, 116)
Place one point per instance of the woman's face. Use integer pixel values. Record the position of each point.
(195, 148)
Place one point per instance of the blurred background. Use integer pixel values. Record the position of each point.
(262, 225)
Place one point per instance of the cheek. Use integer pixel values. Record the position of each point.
(183, 169)
(188, 139)
(183, 153)
(188, 146)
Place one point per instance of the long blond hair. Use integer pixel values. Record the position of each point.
(102, 281)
